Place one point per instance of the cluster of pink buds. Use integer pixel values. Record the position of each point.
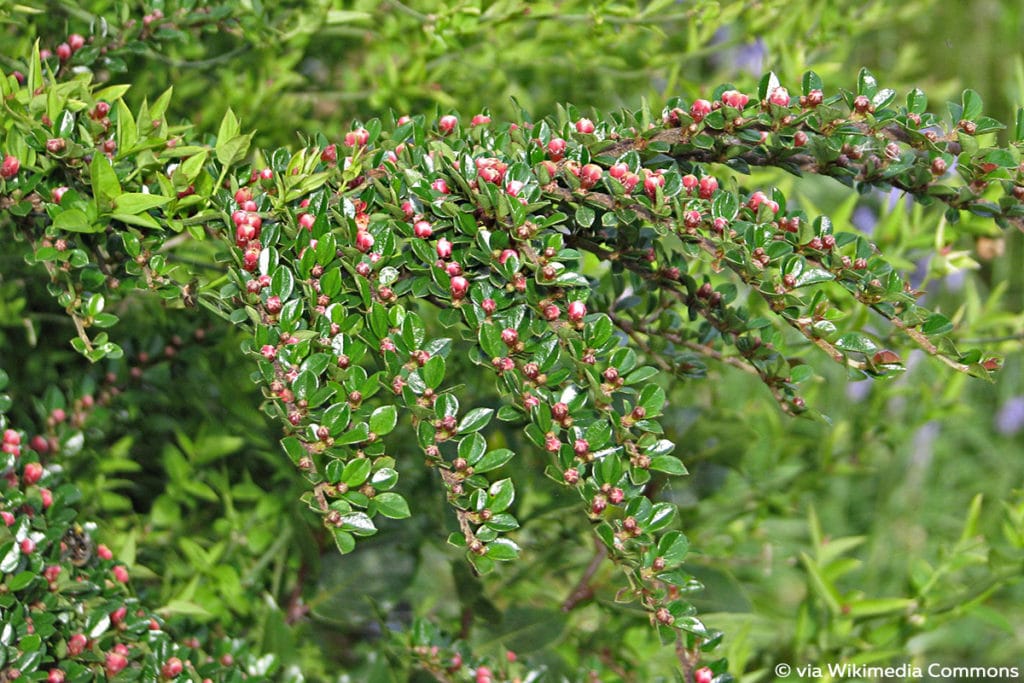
(12, 442)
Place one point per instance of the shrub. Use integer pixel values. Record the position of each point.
(402, 288)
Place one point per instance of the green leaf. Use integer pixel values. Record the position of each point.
(433, 371)
(937, 324)
(127, 132)
(143, 220)
(917, 101)
(813, 276)
(74, 220)
(768, 84)
(500, 495)
(234, 150)
(105, 186)
(725, 205)
(472, 448)
(669, 464)
(502, 550)
(641, 374)
(383, 420)
(857, 342)
(189, 170)
(866, 83)
(652, 398)
(358, 433)
(585, 216)
(475, 420)
(972, 105)
(822, 587)
(879, 606)
(358, 523)
(391, 505)
(673, 547)
(20, 580)
(133, 203)
(345, 541)
(811, 81)
(529, 629)
(493, 460)
(228, 129)
(356, 472)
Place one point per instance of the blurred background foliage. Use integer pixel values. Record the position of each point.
(800, 529)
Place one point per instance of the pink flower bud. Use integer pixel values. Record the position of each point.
(590, 174)
(447, 124)
(364, 241)
(556, 149)
(76, 644)
(585, 126)
(10, 167)
(444, 248)
(708, 186)
(33, 473)
(116, 662)
(779, 97)
(422, 229)
(735, 99)
(699, 109)
(459, 287)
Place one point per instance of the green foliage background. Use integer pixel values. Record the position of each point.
(185, 475)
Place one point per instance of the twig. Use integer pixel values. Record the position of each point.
(583, 590)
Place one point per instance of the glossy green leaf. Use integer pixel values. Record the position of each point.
(383, 420)
(475, 420)
(391, 505)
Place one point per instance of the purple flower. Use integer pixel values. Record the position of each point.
(864, 219)
(1010, 418)
(750, 57)
(858, 391)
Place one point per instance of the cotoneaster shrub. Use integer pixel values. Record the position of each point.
(379, 276)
